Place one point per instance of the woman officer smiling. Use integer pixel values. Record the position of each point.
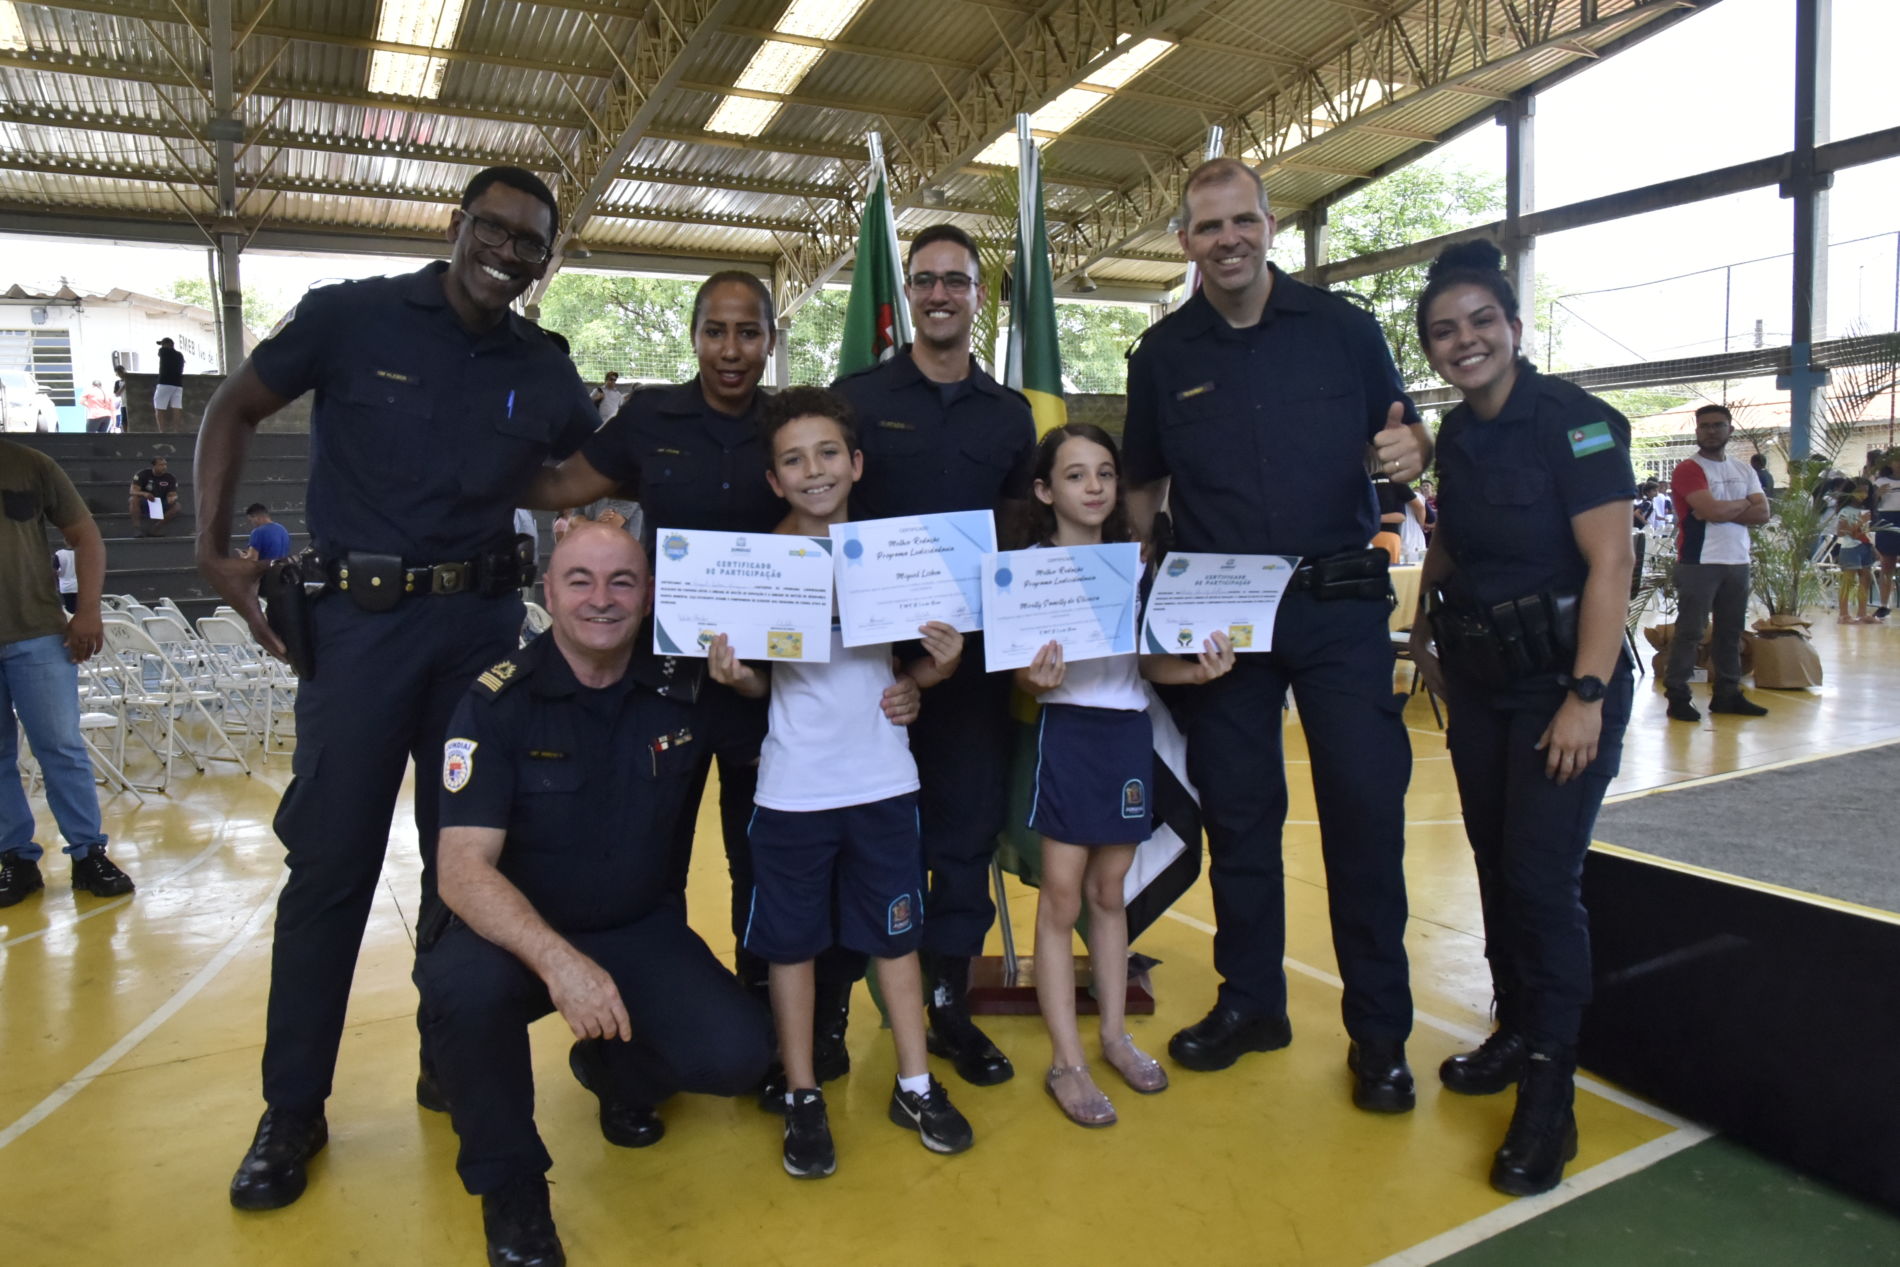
(1525, 585)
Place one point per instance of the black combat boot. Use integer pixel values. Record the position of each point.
(952, 1034)
(1543, 1131)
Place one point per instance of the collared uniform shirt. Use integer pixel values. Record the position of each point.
(694, 466)
(930, 448)
(1508, 488)
(1263, 430)
(586, 782)
(423, 436)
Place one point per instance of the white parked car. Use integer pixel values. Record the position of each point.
(23, 406)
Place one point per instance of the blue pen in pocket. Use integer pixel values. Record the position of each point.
(511, 404)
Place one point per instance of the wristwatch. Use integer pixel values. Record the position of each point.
(1587, 689)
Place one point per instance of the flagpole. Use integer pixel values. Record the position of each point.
(900, 311)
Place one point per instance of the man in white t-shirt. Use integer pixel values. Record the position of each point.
(1717, 497)
(608, 397)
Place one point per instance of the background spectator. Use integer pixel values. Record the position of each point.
(153, 499)
(269, 539)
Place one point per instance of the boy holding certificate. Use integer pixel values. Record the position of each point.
(834, 837)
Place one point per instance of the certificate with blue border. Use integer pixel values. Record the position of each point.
(1083, 597)
(770, 594)
(895, 574)
(1195, 595)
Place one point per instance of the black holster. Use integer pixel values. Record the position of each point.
(1508, 643)
(289, 604)
(1354, 574)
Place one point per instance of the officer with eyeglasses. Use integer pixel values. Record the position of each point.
(939, 434)
(434, 408)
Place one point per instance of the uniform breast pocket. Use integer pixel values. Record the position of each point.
(387, 419)
(897, 439)
(670, 468)
(550, 778)
(1206, 437)
(501, 457)
(22, 504)
(1516, 488)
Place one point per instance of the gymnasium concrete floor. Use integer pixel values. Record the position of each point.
(130, 1032)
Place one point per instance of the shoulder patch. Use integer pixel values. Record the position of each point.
(458, 763)
(1593, 438)
(498, 677)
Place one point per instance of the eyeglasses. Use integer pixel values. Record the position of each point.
(955, 283)
(528, 248)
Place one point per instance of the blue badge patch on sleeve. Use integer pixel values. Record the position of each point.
(1594, 438)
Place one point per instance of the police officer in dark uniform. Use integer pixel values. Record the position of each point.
(563, 777)
(938, 435)
(1259, 403)
(435, 406)
(1531, 562)
(690, 454)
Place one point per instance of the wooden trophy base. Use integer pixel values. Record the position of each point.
(996, 991)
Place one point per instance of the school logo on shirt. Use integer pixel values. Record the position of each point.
(674, 547)
(1134, 799)
(1594, 438)
(897, 917)
(458, 763)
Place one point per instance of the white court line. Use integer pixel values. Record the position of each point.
(204, 855)
(1524, 1209)
(140, 1032)
(1472, 1036)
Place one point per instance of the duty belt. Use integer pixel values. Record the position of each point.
(1352, 574)
(377, 582)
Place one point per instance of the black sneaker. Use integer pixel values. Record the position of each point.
(95, 873)
(808, 1150)
(1737, 704)
(933, 1117)
(19, 876)
(1682, 708)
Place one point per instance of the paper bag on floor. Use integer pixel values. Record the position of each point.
(1660, 636)
(1784, 658)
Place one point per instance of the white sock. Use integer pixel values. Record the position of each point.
(920, 1085)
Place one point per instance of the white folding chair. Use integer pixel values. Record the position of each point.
(534, 621)
(248, 676)
(182, 695)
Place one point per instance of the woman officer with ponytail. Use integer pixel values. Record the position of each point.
(1525, 590)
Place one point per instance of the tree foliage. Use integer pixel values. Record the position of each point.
(261, 308)
(640, 327)
(1423, 200)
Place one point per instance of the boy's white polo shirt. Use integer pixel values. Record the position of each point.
(829, 745)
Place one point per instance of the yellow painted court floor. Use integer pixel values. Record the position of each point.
(130, 1032)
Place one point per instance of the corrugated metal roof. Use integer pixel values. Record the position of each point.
(103, 112)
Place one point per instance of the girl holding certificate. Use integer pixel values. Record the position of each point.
(1094, 776)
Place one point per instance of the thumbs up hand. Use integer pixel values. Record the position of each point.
(1400, 451)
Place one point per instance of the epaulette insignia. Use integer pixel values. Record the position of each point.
(497, 678)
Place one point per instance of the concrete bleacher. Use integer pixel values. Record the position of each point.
(101, 467)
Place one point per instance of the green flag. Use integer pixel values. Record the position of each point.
(1034, 362)
(876, 322)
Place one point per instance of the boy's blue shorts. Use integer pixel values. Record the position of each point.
(1094, 775)
(852, 876)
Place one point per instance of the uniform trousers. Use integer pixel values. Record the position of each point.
(1703, 589)
(385, 687)
(1528, 837)
(963, 745)
(1337, 658)
(729, 729)
(694, 1029)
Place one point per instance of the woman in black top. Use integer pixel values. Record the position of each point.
(1532, 559)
